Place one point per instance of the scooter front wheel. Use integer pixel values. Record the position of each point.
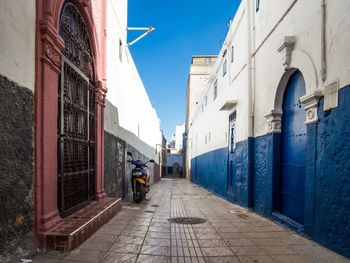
(139, 193)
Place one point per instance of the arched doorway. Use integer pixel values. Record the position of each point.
(176, 170)
(293, 140)
(76, 114)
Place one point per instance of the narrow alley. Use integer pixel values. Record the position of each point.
(143, 233)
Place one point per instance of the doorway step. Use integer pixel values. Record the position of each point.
(78, 227)
(289, 223)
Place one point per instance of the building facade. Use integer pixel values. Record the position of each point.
(271, 126)
(131, 122)
(200, 70)
(63, 143)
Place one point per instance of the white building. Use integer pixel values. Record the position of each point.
(271, 128)
(176, 142)
(131, 122)
(200, 70)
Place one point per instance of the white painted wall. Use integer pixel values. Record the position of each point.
(269, 26)
(17, 41)
(126, 91)
(179, 130)
(209, 130)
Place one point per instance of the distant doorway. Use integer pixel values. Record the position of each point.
(293, 140)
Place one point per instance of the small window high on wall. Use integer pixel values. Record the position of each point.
(224, 68)
(232, 53)
(257, 7)
(120, 50)
(215, 89)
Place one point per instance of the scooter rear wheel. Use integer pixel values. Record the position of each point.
(139, 193)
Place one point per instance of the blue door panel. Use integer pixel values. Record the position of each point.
(293, 140)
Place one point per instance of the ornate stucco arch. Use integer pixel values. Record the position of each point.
(49, 46)
(300, 61)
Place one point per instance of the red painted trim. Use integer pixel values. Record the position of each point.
(47, 67)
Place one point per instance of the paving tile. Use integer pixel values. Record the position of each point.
(216, 251)
(208, 236)
(256, 259)
(271, 241)
(211, 242)
(159, 229)
(130, 240)
(84, 255)
(155, 250)
(97, 245)
(280, 234)
(187, 260)
(317, 254)
(208, 230)
(153, 259)
(238, 242)
(232, 235)
(278, 250)
(125, 248)
(290, 259)
(231, 259)
(119, 257)
(103, 238)
(133, 233)
(248, 251)
(162, 242)
(136, 228)
(158, 234)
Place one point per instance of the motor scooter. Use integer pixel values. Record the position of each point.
(140, 178)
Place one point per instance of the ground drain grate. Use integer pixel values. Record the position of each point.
(187, 220)
(147, 211)
(154, 205)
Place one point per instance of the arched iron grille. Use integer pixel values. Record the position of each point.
(76, 118)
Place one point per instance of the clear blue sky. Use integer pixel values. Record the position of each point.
(183, 28)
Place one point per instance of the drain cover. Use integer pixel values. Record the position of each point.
(148, 211)
(187, 220)
(154, 205)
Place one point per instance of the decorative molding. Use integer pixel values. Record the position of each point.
(52, 44)
(274, 121)
(52, 55)
(100, 93)
(286, 50)
(311, 105)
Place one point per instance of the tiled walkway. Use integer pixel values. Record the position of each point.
(142, 233)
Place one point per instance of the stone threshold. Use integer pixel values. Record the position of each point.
(78, 227)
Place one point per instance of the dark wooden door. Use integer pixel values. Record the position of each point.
(76, 118)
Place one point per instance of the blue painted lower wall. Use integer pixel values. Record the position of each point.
(253, 180)
(331, 187)
(210, 171)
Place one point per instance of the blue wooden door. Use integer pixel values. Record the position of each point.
(292, 185)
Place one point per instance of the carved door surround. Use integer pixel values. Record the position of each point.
(49, 46)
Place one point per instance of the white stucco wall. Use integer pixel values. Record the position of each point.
(179, 130)
(126, 91)
(209, 130)
(17, 44)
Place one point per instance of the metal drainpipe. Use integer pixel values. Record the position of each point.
(249, 66)
(323, 40)
(250, 106)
